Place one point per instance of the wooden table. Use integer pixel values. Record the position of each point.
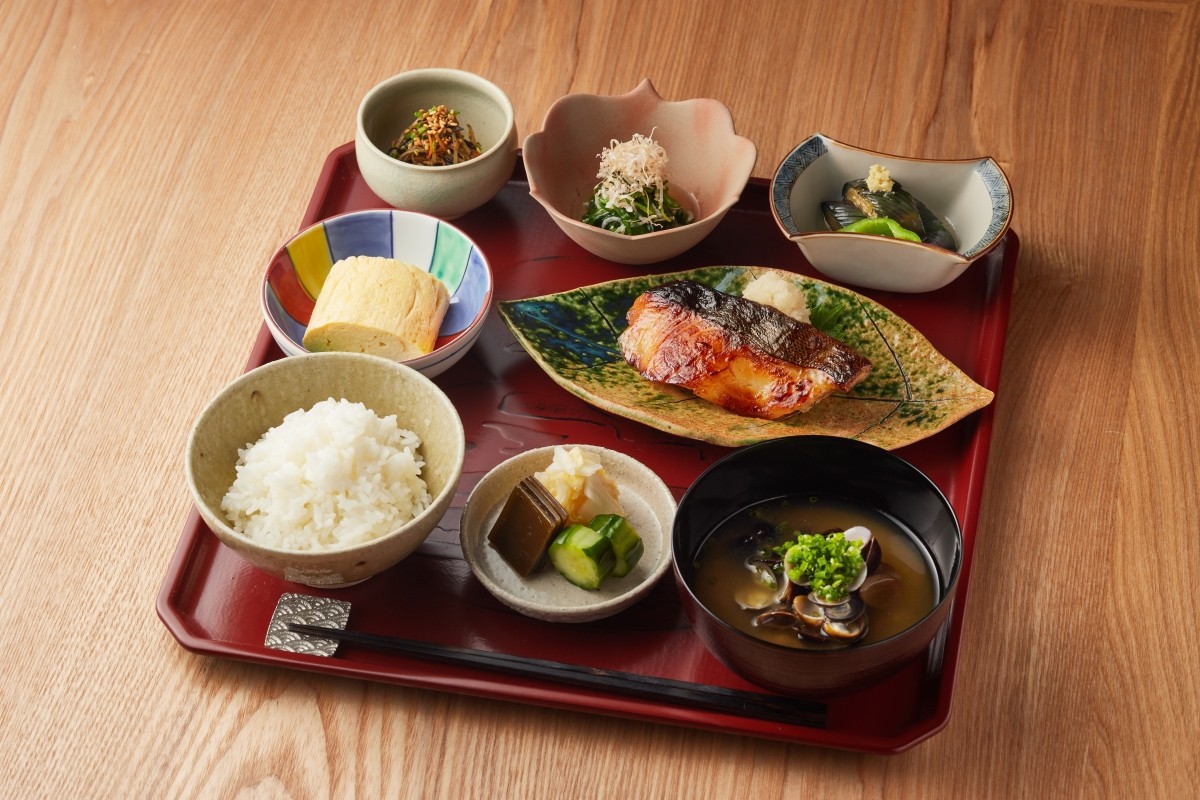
(154, 154)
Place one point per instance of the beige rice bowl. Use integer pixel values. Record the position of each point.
(330, 477)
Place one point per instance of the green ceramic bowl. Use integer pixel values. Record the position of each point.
(445, 191)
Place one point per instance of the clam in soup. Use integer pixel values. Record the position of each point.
(771, 570)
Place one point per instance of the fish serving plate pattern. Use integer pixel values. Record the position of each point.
(215, 603)
(912, 391)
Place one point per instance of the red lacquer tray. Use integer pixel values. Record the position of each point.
(215, 603)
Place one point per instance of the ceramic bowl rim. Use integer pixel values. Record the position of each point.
(948, 596)
(236, 384)
(451, 75)
(780, 191)
(591, 611)
(714, 215)
(468, 335)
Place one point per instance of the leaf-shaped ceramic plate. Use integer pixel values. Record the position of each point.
(912, 392)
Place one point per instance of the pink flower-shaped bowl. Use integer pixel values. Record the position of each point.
(707, 168)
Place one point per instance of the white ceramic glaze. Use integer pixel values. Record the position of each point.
(707, 168)
(450, 191)
(546, 595)
(973, 195)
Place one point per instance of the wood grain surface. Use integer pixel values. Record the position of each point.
(153, 155)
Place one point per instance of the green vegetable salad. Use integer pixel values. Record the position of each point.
(632, 196)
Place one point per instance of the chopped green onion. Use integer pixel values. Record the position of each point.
(828, 564)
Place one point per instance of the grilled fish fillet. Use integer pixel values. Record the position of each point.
(741, 355)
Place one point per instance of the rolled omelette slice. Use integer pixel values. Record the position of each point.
(380, 306)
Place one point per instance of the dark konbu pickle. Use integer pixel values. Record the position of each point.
(526, 525)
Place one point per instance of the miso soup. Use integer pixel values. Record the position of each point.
(722, 572)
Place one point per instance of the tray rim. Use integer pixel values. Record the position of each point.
(479, 683)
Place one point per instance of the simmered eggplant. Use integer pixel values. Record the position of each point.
(896, 204)
(937, 230)
(878, 197)
(839, 213)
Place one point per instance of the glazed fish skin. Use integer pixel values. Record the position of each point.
(741, 355)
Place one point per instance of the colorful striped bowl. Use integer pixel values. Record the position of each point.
(297, 272)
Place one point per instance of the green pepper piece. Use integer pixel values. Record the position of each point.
(881, 226)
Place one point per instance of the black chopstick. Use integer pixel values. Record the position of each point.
(774, 708)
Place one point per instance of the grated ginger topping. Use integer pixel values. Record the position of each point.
(879, 179)
(628, 168)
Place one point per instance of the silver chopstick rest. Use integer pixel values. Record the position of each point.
(305, 609)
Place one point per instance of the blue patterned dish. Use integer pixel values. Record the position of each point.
(973, 195)
(298, 269)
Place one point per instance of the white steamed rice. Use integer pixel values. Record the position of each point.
(333, 476)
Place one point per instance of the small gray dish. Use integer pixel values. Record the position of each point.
(546, 595)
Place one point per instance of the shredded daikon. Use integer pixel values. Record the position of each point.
(632, 197)
(628, 168)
